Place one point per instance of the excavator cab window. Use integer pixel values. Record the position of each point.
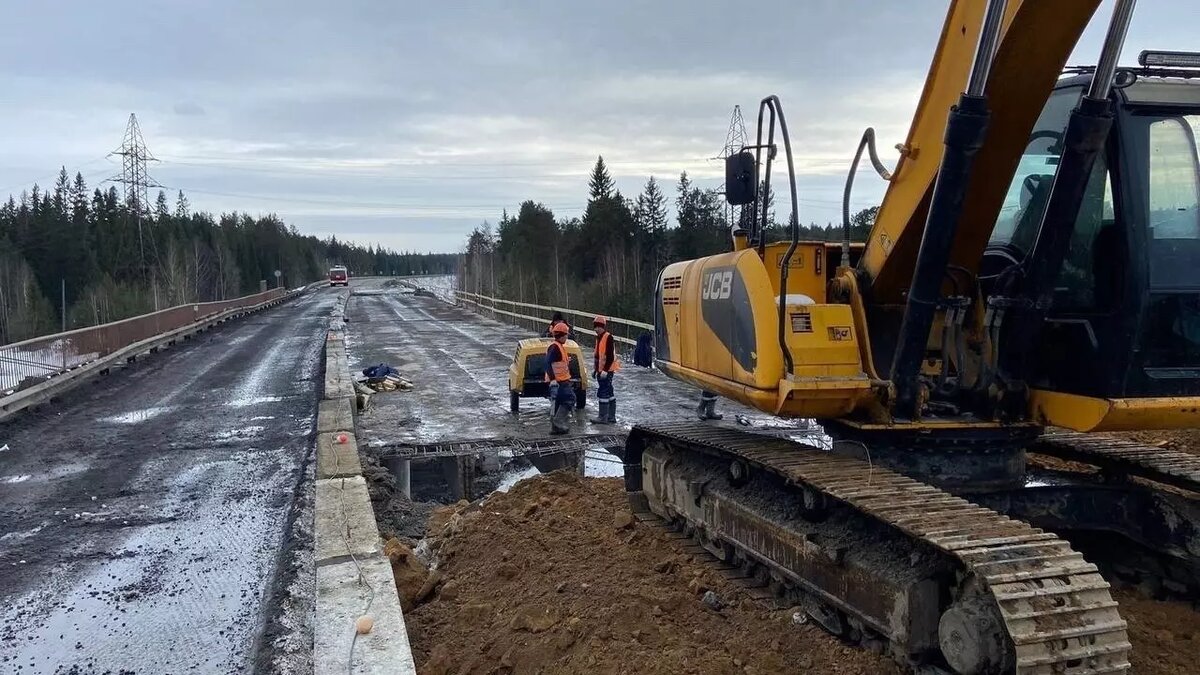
(1017, 225)
(1128, 293)
(1170, 330)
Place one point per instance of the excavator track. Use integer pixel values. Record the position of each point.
(1123, 457)
(1055, 609)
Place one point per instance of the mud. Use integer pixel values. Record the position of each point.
(1165, 635)
(396, 516)
(555, 576)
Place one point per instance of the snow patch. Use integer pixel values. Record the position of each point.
(20, 478)
(252, 431)
(516, 477)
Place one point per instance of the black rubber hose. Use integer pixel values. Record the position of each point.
(868, 142)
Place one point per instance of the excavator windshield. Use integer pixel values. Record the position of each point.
(1129, 288)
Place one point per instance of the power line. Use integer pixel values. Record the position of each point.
(498, 164)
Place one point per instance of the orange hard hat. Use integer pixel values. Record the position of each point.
(559, 328)
(600, 321)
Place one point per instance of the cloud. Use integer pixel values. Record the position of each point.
(188, 108)
(407, 123)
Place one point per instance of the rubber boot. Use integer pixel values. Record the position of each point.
(702, 410)
(560, 421)
(612, 411)
(708, 409)
(602, 416)
(711, 410)
(555, 429)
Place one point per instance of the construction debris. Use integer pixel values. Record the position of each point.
(383, 377)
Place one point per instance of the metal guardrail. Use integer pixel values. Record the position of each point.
(30, 362)
(485, 303)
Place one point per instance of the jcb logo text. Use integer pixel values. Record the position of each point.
(717, 285)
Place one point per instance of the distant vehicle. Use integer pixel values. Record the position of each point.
(526, 375)
(338, 275)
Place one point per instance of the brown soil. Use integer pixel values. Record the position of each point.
(555, 576)
(1165, 635)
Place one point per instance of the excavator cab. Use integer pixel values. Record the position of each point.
(1128, 293)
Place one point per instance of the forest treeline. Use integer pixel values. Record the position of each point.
(89, 243)
(609, 259)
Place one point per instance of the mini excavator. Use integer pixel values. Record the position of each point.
(1032, 280)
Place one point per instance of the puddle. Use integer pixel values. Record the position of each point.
(136, 416)
(253, 400)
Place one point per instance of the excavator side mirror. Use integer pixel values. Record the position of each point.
(741, 178)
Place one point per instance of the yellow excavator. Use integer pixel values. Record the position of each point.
(1032, 279)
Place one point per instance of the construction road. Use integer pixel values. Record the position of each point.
(459, 360)
(146, 519)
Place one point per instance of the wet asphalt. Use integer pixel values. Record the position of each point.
(143, 516)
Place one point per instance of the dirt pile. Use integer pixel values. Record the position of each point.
(556, 576)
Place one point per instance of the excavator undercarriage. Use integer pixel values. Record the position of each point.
(975, 582)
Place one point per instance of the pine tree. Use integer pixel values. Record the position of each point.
(162, 212)
(601, 185)
(79, 198)
(182, 207)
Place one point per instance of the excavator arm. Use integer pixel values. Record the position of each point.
(1036, 41)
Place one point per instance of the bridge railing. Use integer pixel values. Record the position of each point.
(537, 317)
(26, 363)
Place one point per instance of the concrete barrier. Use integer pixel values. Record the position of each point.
(354, 578)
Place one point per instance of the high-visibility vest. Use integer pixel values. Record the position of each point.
(601, 349)
(562, 367)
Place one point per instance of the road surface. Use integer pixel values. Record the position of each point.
(145, 518)
(458, 362)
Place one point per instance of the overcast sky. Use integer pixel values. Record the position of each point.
(408, 123)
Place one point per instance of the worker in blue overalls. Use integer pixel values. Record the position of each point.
(604, 367)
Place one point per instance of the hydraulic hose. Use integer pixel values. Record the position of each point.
(867, 142)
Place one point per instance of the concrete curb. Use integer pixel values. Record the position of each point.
(353, 576)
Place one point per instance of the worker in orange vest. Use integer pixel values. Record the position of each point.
(558, 375)
(604, 367)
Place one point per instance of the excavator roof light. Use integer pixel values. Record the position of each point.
(1163, 59)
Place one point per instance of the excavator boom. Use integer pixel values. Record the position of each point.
(1036, 40)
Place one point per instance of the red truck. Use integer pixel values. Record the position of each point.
(339, 275)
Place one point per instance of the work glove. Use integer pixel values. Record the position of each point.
(553, 391)
(603, 375)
